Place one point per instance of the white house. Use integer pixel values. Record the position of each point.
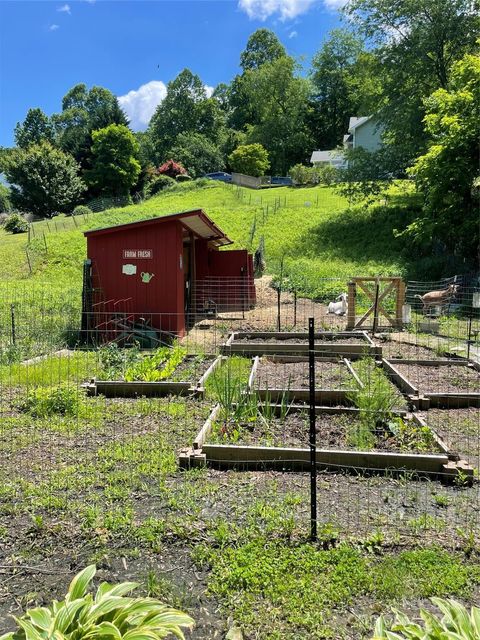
(364, 131)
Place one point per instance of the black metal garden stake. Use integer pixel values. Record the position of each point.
(12, 315)
(313, 434)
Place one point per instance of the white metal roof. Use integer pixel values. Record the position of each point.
(332, 155)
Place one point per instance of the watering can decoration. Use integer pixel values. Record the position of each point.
(146, 277)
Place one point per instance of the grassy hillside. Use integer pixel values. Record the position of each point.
(314, 231)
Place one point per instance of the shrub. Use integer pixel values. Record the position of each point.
(328, 175)
(250, 159)
(158, 183)
(300, 174)
(325, 174)
(171, 168)
(455, 623)
(43, 179)
(81, 210)
(43, 402)
(16, 223)
(111, 613)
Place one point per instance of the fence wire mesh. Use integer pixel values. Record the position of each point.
(126, 445)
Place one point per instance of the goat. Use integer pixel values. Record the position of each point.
(339, 307)
(438, 298)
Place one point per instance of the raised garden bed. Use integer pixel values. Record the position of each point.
(460, 429)
(441, 383)
(436, 378)
(337, 428)
(424, 453)
(353, 344)
(188, 378)
(405, 351)
(276, 377)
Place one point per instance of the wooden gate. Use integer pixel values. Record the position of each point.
(376, 290)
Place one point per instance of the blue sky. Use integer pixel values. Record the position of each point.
(134, 47)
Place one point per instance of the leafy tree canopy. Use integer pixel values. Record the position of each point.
(279, 98)
(263, 46)
(115, 167)
(185, 109)
(416, 43)
(343, 85)
(84, 111)
(36, 128)
(250, 159)
(44, 180)
(197, 153)
(448, 173)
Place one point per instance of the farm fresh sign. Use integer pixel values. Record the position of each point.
(138, 253)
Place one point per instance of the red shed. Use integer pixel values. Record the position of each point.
(164, 270)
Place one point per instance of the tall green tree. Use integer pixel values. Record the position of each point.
(197, 153)
(417, 43)
(263, 46)
(84, 111)
(279, 97)
(343, 85)
(44, 180)
(115, 166)
(185, 109)
(448, 174)
(36, 128)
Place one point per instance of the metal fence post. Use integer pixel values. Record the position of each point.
(14, 333)
(279, 293)
(313, 434)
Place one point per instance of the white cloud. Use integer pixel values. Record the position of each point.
(140, 104)
(334, 4)
(65, 8)
(292, 34)
(263, 9)
(53, 27)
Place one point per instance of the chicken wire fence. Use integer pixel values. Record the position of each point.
(113, 428)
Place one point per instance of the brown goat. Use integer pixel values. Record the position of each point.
(437, 298)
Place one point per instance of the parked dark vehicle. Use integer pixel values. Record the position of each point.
(284, 180)
(219, 175)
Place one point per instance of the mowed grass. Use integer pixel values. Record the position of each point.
(312, 230)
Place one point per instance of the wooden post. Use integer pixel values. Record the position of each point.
(375, 308)
(352, 292)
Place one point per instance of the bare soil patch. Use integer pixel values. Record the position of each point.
(334, 431)
(294, 375)
(318, 341)
(444, 378)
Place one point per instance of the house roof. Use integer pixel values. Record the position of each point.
(195, 221)
(354, 123)
(326, 156)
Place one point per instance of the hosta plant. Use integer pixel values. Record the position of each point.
(455, 624)
(110, 614)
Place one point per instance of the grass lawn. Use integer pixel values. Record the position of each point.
(95, 479)
(312, 228)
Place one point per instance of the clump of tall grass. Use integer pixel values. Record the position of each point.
(61, 400)
(376, 400)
